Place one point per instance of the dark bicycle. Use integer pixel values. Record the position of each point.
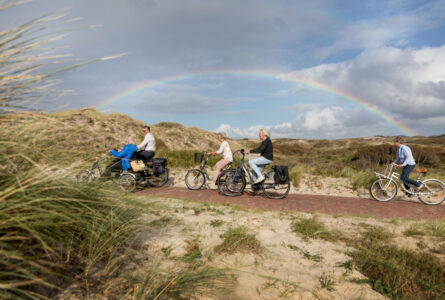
(196, 178)
(150, 175)
(90, 175)
(232, 182)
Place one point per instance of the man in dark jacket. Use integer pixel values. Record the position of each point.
(266, 151)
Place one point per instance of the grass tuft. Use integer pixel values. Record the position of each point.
(314, 228)
(238, 239)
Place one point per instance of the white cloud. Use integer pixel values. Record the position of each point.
(404, 82)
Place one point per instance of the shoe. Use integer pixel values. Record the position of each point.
(260, 179)
(420, 187)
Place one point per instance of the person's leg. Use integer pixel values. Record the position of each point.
(255, 164)
(405, 176)
(218, 167)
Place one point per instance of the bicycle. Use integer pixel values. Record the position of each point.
(196, 178)
(232, 182)
(385, 187)
(89, 175)
(128, 180)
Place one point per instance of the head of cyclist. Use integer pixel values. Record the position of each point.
(398, 141)
(146, 130)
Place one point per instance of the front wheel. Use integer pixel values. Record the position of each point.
(194, 179)
(85, 176)
(160, 180)
(432, 193)
(274, 190)
(383, 189)
(127, 182)
(231, 182)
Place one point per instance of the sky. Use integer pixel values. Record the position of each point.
(321, 69)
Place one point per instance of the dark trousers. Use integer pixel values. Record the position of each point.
(144, 155)
(405, 176)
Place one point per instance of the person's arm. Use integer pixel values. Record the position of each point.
(407, 153)
(260, 148)
(221, 148)
(142, 145)
(119, 154)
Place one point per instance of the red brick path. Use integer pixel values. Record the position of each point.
(333, 205)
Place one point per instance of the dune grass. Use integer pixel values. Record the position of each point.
(238, 239)
(52, 229)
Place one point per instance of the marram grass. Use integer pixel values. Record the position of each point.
(52, 229)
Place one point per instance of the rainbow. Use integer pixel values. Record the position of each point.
(404, 129)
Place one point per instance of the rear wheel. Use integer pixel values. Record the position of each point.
(127, 182)
(273, 190)
(432, 193)
(194, 179)
(85, 176)
(383, 189)
(231, 182)
(160, 180)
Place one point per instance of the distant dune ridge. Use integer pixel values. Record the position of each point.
(79, 135)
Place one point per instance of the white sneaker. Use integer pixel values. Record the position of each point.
(260, 179)
(420, 187)
(212, 186)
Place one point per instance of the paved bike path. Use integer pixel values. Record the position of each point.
(333, 205)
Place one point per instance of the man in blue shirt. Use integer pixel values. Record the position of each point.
(406, 160)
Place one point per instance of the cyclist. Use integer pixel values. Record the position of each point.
(225, 150)
(148, 145)
(123, 160)
(406, 160)
(266, 151)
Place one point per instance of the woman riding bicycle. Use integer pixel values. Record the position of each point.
(266, 151)
(406, 160)
(225, 150)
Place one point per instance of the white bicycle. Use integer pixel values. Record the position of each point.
(385, 187)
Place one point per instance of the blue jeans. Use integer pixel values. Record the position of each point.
(256, 164)
(405, 176)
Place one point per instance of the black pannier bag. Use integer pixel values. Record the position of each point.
(281, 174)
(159, 166)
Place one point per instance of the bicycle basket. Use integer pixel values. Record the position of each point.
(199, 157)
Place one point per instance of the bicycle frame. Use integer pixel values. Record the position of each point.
(244, 167)
(203, 168)
(393, 175)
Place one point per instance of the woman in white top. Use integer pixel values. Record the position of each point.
(224, 149)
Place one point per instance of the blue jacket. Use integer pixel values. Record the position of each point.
(125, 154)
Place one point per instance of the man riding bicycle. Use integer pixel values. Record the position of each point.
(148, 145)
(406, 160)
(266, 152)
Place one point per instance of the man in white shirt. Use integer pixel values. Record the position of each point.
(224, 149)
(148, 145)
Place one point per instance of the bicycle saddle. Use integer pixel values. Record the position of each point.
(424, 171)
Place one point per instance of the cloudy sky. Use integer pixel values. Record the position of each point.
(303, 69)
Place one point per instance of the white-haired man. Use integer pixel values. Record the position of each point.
(266, 152)
(225, 150)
